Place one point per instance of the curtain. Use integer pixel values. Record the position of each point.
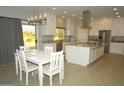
(10, 38)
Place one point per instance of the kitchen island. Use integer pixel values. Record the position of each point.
(83, 54)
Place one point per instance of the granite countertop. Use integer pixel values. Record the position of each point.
(87, 45)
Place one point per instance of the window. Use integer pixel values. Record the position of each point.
(59, 34)
(29, 36)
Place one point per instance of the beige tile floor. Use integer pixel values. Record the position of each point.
(107, 71)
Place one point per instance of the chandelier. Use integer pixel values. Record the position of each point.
(37, 17)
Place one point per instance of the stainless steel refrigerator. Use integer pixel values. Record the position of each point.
(104, 38)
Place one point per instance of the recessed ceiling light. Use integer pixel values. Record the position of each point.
(91, 18)
(45, 15)
(28, 19)
(65, 12)
(32, 18)
(35, 17)
(117, 13)
(40, 16)
(104, 17)
(73, 15)
(54, 8)
(114, 9)
(119, 16)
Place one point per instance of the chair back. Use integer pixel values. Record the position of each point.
(24, 48)
(15, 54)
(56, 61)
(17, 57)
(22, 60)
(48, 49)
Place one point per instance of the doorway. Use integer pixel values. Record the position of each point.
(104, 38)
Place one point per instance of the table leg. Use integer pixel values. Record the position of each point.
(16, 64)
(62, 72)
(40, 74)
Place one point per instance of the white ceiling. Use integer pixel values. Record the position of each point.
(24, 12)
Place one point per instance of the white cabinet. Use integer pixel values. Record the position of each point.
(117, 48)
(83, 55)
(96, 53)
(70, 27)
(48, 30)
(102, 51)
(50, 27)
(91, 55)
(77, 55)
(50, 44)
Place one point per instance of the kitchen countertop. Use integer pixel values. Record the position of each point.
(83, 44)
(87, 45)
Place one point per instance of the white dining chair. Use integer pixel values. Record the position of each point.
(48, 49)
(25, 66)
(24, 48)
(55, 66)
(16, 61)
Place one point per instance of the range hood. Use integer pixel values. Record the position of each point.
(86, 19)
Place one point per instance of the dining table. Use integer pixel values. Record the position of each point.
(40, 58)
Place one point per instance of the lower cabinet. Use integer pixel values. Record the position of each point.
(50, 44)
(83, 55)
(117, 48)
(96, 53)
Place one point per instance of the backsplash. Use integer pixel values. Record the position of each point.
(49, 38)
(119, 39)
(93, 38)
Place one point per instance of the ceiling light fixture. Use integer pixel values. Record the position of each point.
(54, 8)
(114, 9)
(73, 15)
(45, 15)
(118, 16)
(65, 12)
(104, 17)
(37, 17)
(92, 19)
(117, 13)
(80, 18)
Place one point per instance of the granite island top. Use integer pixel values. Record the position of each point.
(87, 45)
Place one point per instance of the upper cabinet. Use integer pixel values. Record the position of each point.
(70, 25)
(50, 27)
